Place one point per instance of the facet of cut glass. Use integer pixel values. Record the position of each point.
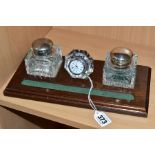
(119, 77)
(79, 64)
(45, 65)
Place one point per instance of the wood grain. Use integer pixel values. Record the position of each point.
(79, 117)
(14, 42)
(138, 106)
(141, 35)
(9, 120)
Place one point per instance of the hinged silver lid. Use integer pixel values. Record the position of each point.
(121, 57)
(42, 47)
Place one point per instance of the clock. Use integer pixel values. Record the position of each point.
(79, 64)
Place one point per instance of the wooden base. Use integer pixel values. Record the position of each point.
(138, 106)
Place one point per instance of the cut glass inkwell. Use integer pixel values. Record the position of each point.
(120, 68)
(43, 59)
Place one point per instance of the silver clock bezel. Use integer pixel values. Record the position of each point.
(82, 56)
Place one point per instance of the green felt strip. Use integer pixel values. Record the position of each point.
(74, 89)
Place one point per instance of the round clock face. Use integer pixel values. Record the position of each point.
(76, 67)
(79, 64)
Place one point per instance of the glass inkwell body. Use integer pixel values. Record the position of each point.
(43, 59)
(120, 68)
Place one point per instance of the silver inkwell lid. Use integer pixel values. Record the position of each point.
(42, 47)
(121, 57)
